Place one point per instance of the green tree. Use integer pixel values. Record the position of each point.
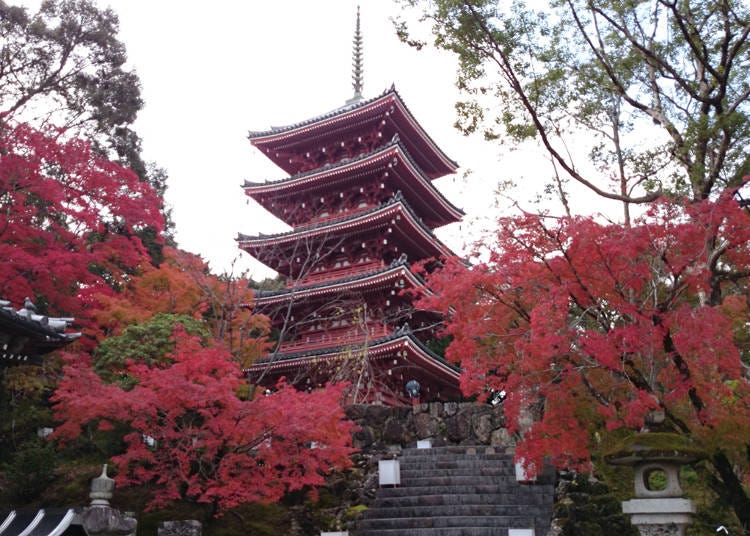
(64, 66)
(149, 342)
(659, 88)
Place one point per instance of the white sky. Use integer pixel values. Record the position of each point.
(213, 71)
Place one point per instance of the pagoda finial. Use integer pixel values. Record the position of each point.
(357, 71)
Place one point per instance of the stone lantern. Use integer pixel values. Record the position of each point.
(100, 519)
(659, 508)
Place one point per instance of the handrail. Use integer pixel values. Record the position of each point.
(334, 338)
(340, 273)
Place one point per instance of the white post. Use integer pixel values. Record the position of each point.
(389, 472)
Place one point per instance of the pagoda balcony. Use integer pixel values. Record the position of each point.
(341, 337)
(322, 219)
(341, 273)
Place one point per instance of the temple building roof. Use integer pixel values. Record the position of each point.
(42, 522)
(395, 216)
(388, 109)
(25, 335)
(392, 159)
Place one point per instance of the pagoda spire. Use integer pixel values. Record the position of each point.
(357, 69)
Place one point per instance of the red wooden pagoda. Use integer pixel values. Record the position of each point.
(361, 204)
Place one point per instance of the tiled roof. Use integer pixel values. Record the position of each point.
(257, 136)
(333, 113)
(43, 522)
(25, 335)
(397, 199)
(348, 162)
(404, 332)
(394, 266)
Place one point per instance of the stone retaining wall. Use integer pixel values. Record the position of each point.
(446, 423)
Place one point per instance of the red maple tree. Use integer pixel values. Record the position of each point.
(183, 284)
(69, 219)
(586, 327)
(193, 438)
(167, 288)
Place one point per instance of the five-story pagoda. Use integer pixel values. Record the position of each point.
(361, 204)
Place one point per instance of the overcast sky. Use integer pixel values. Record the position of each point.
(212, 71)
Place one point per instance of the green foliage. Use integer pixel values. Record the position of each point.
(439, 344)
(588, 507)
(353, 512)
(148, 343)
(24, 407)
(655, 444)
(64, 65)
(658, 90)
(30, 470)
(269, 283)
(713, 510)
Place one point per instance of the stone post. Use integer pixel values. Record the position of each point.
(100, 519)
(658, 509)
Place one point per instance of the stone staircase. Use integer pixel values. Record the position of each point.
(459, 491)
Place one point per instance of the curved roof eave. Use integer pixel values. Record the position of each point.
(331, 226)
(316, 176)
(265, 137)
(400, 269)
(398, 339)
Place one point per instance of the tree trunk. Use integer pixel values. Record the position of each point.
(733, 490)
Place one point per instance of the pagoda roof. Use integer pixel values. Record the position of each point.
(418, 188)
(276, 142)
(395, 213)
(401, 339)
(399, 269)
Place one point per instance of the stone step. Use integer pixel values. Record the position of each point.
(445, 531)
(453, 480)
(452, 449)
(457, 510)
(428, 458)
(503, 499)
(458, 491)
(409, 523)
(447, 458)
(420, 478)
(469, 489)
(465, 465)
(459, 469)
